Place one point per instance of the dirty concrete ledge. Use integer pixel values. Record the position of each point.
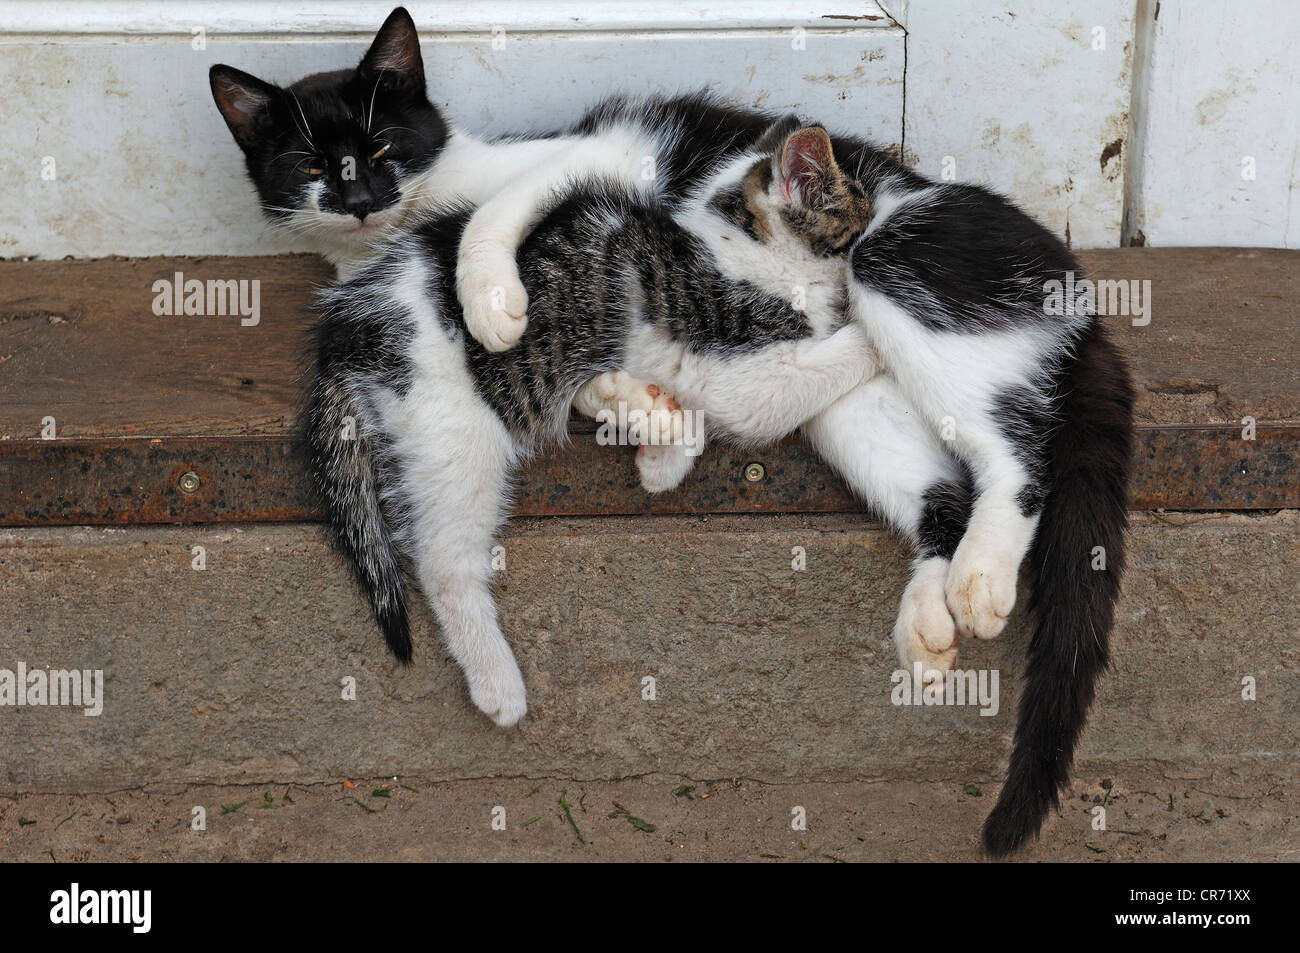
(231, 675)
(1149, 815)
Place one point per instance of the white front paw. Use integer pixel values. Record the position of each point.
(663, 466)
(663, 421)
(493, 299)
(604, 391)
(652, 415)
(499, 692)
(981, 589)
(925, 631)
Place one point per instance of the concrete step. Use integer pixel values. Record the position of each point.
(232, 674)
(235, 674)
(1152, 815)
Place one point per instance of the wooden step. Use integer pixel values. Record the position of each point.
(163, 419)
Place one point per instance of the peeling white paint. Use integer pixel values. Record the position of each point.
(1018, 99)
(1014, 96)
(1220, 101)
(145, 165)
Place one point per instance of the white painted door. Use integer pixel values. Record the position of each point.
(113, 145)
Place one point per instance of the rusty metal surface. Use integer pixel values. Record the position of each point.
(119, 480)
(257, 479)
(1211, 467)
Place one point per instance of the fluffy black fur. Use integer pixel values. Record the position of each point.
(966, 261)
(336, 123)
(945, 515)
(1089, 463)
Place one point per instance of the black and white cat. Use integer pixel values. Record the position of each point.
(414, 430)
(301, 142)
(1041, 428)
(342, 160)
(949, 284)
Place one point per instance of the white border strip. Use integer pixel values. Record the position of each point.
(247, 17)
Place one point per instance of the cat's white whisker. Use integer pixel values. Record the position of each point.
(305, 128)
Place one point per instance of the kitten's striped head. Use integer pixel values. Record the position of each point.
(799, 191)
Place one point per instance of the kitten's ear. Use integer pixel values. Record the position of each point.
(394, 56)
(806, 165)
(770, 142)
(242, 99)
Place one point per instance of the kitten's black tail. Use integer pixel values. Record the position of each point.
(342, 465)
(1073, 598)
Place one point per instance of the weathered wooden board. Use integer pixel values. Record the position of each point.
(139, 399)
(79, 341)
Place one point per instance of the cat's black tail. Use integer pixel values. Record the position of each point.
(1073, 598)
(341, 462)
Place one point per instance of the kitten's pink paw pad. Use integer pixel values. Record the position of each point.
(667, 423)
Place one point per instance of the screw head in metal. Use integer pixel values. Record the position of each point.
(755, 472)
(189, 481)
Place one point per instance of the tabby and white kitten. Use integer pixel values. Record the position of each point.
(299, 140)
(948, 281)
(414, 431)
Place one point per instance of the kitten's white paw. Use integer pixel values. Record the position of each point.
(604, 391)
(665, 422)
(652, 414)
(663, 466)
(499, 692)
(493, 299)
(925, 631)
(981, 589)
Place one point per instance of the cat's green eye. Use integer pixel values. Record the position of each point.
(382, 149)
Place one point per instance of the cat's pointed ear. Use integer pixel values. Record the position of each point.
(394, 56)
(806, 165)
(243, 100)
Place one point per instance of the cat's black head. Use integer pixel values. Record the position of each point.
(334, 156)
